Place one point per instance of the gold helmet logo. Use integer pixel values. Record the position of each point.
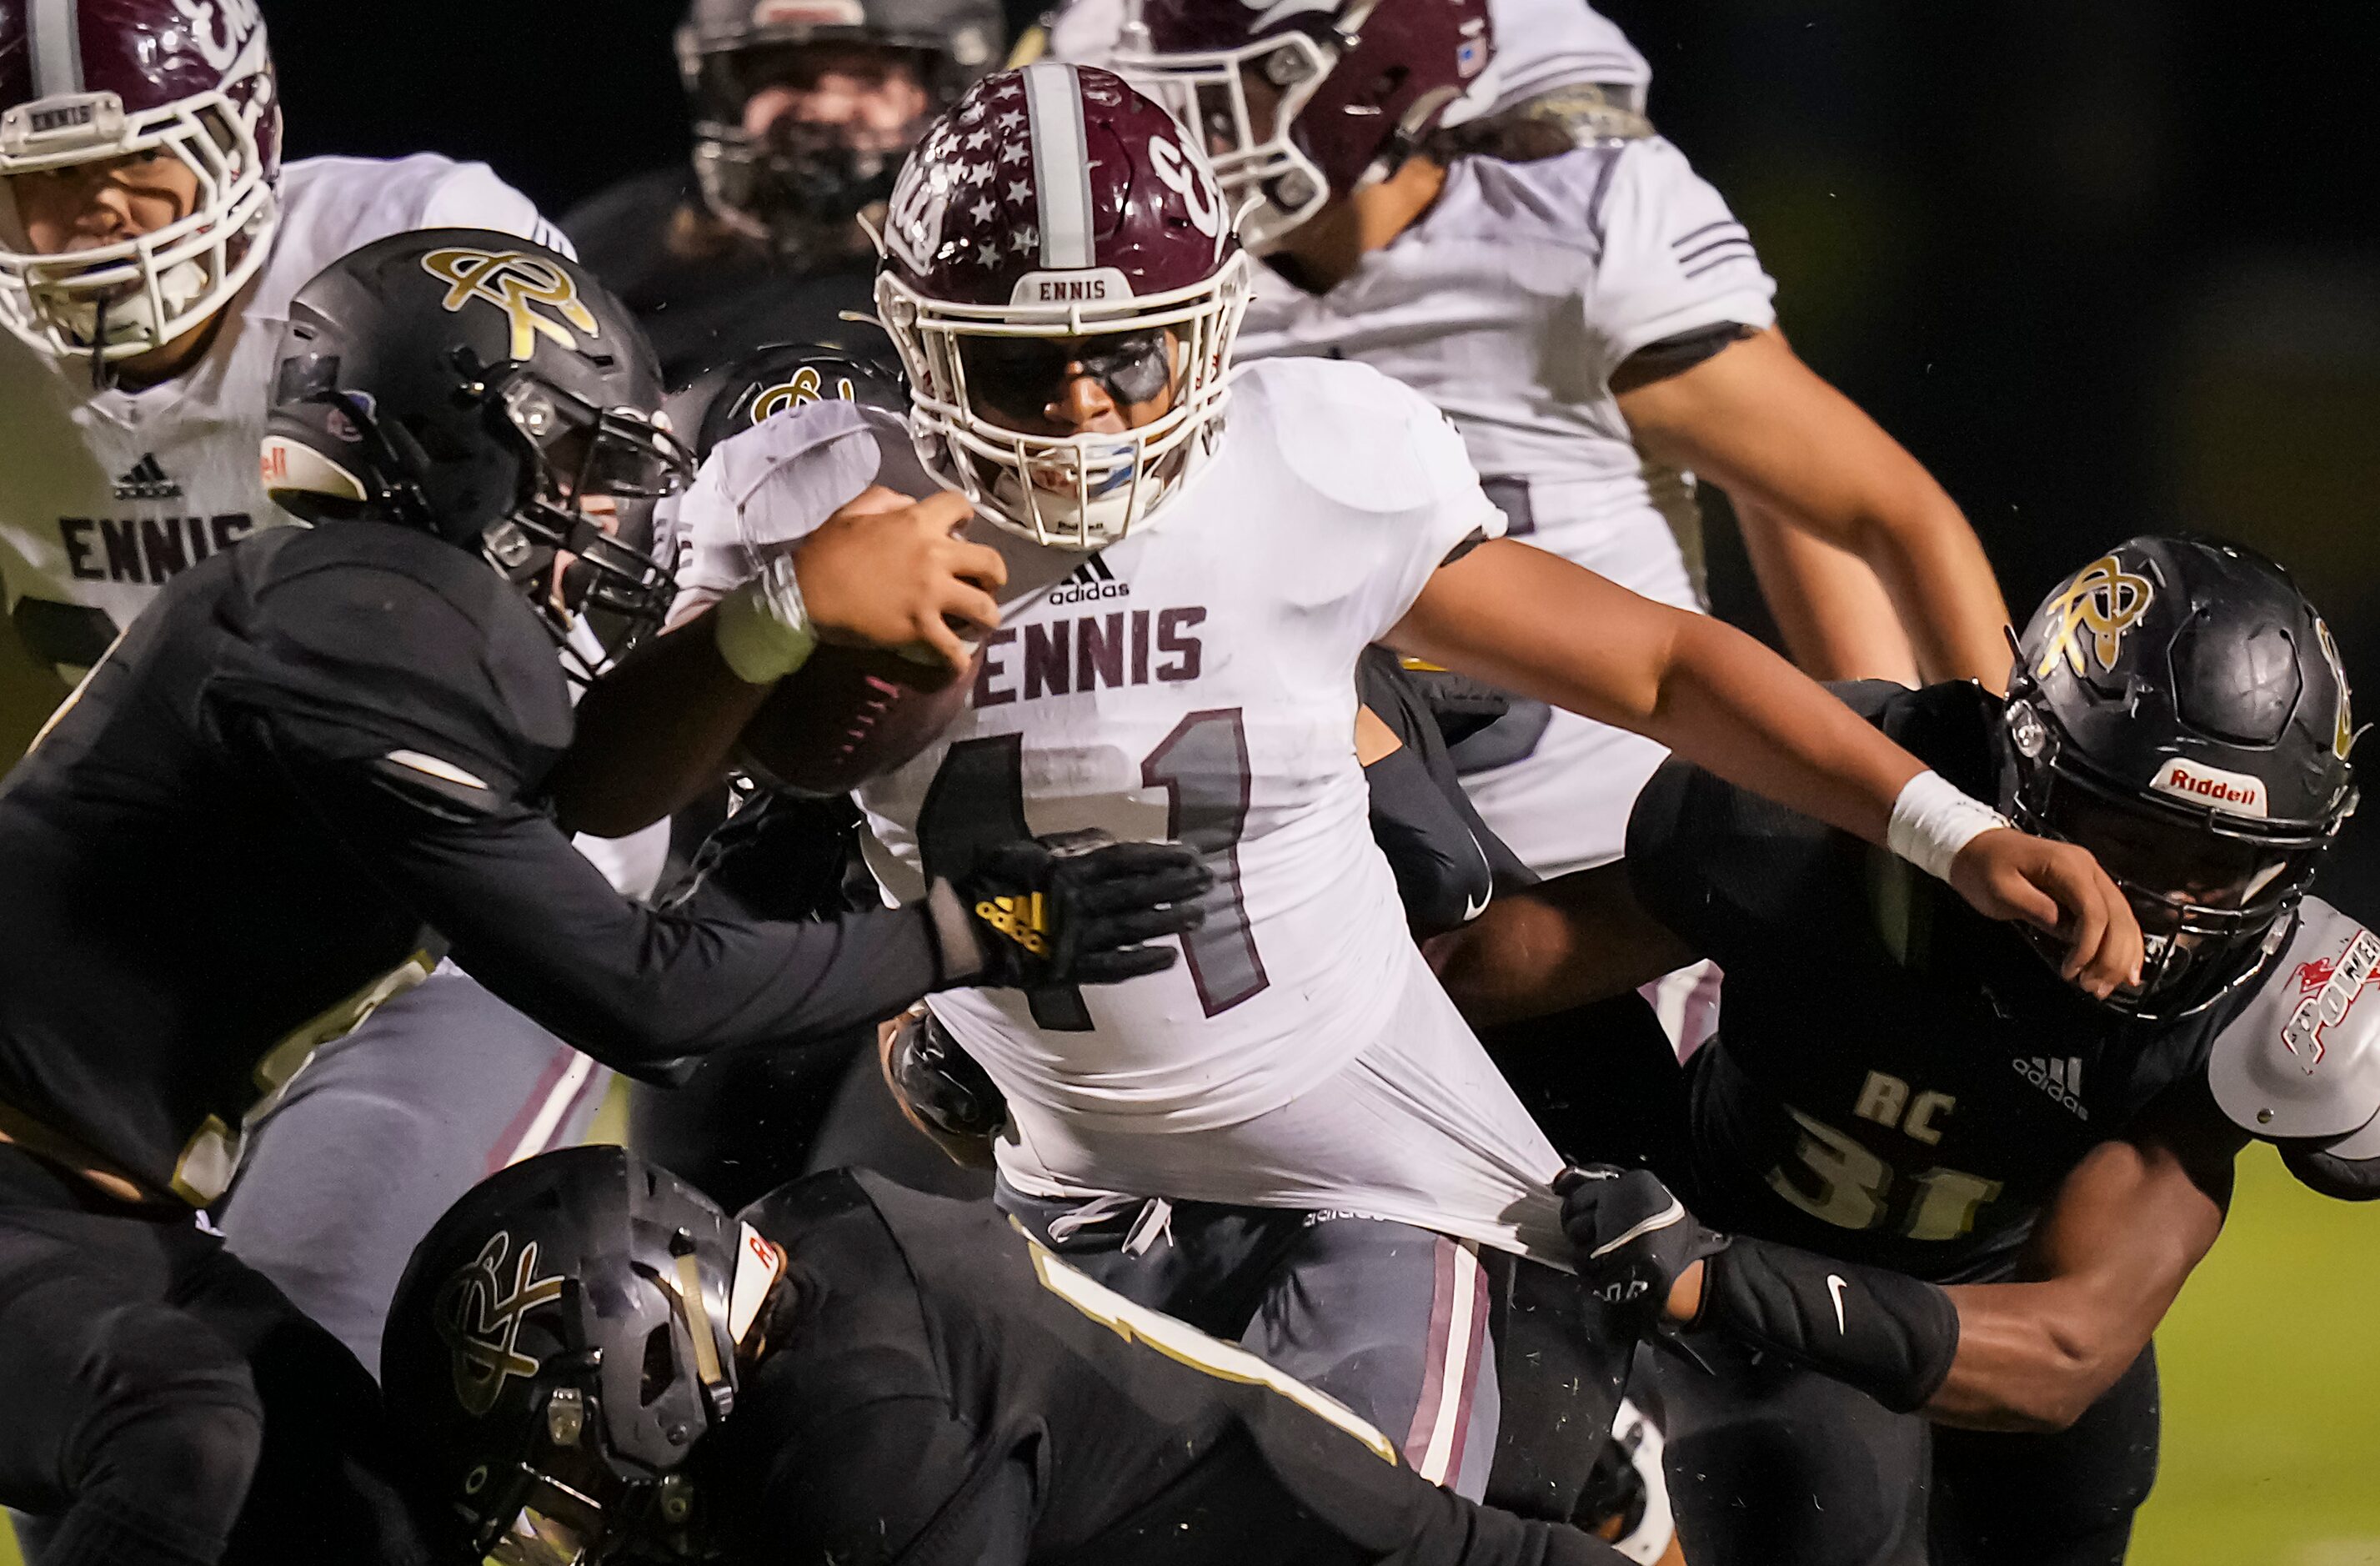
(2101, 603)
(806, 385)
(518, 284)
(2342, 734)
(478, 1320)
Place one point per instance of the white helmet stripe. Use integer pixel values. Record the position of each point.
(57, 26)
(1062, 167)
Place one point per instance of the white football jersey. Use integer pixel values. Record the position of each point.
(105, 494)
(1509, 305)
(1195, 681)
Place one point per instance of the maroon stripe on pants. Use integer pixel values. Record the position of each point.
(1474, 1357)
(547, 1080)
(1433, 1379)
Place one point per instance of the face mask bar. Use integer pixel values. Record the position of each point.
(580, 450)
(2212, 899)
(1078, 492)
(118, 301)
(1259, 166)
(796, 184)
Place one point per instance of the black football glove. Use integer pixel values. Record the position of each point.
(942, 1083)
(1632, 1237)
(1079, 908)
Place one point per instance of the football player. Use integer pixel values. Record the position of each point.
(746, 1121)
(596, 1363)
(1294, 1137)
(802, 113)
(150, 240)
(312, 747)
(1558, 282)
(1961, 1188)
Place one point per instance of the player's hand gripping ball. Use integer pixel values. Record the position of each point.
(1079, 908)
(899, 603)
(1632, 1237)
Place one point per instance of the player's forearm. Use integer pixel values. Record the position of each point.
(1837, 619)
(2033, 1356)
(1531, 622)
(1919, 545)
(1767, 429)
(1733, 707)
(1551, 948)
(653, 734)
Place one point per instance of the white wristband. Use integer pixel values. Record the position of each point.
(1932, 819)
(763, 628)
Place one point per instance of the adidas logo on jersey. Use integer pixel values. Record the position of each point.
(2062, 1080)
(147, 481)
(1091, 580)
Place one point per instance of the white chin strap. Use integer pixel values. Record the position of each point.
(130, 319)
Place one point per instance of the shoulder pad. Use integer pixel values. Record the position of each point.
(1353, 436)
(2302, 1061)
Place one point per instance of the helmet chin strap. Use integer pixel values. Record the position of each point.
(103, 321)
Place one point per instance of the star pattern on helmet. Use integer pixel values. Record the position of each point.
(1011, 120)
(1006, 89)
(982, 211)
(1025, 239)
(1019, 190)
(976, 139)
(1016, 152)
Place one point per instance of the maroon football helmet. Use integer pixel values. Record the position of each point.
(1304, 100)
(86, 81)
(1057, 202)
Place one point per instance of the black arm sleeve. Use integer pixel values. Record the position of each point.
(1890, 1336)
(635, 987)
(409, 704)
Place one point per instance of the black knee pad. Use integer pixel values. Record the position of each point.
(172, 1423)
(1771, 1466)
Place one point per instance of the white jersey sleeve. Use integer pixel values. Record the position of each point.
(1406, 494)
(472, 197)
(1674, 259)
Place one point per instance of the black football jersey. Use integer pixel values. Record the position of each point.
(707, 301)
(927, 1349)
(1895, 1079)
(312, 750)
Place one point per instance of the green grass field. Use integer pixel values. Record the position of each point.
(2272, 1391)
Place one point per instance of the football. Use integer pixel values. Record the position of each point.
(852, 714)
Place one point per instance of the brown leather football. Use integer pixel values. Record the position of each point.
(852, 714)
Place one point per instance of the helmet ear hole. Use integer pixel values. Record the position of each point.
(660, 1373)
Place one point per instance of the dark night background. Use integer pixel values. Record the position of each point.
(2104, 265)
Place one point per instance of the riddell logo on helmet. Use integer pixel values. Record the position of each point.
(2236, 792)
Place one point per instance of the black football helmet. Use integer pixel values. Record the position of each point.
(783, 375)
(482, 388)
(2179, 708)
(559, 1344)
(780, 176)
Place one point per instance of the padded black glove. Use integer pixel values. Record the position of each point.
(1634, 1238)
(1078, 908)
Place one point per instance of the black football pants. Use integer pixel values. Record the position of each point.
(1782, 1467)
(162, 1404)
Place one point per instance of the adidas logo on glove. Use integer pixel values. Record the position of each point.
(1020, 919)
